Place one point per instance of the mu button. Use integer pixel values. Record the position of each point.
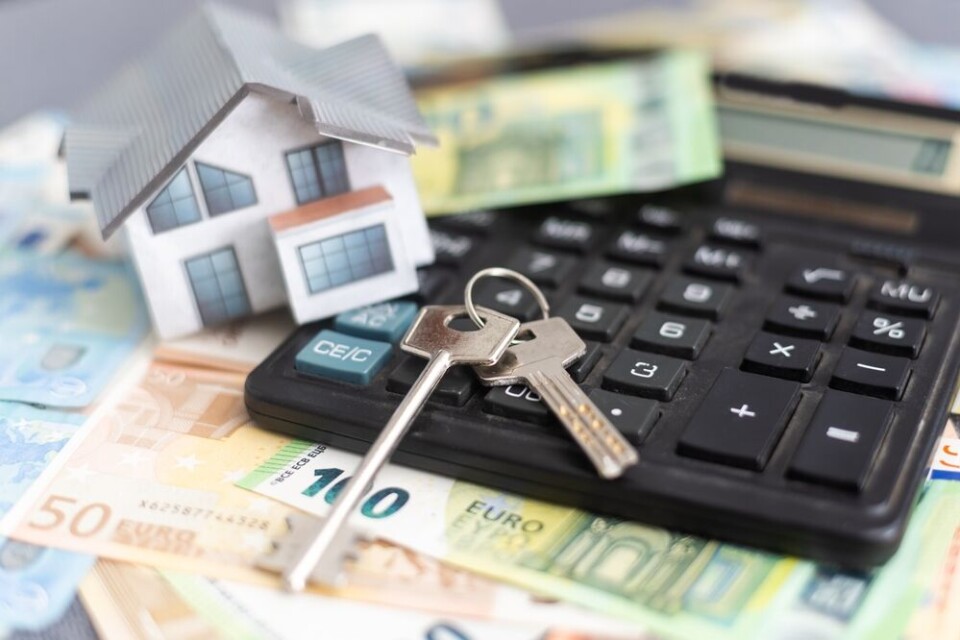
(740, 420)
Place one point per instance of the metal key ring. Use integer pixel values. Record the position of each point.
(510, 274)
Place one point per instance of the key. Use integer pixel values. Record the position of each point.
(429, 337)
(540, 364)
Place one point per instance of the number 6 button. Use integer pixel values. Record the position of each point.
(672, 335)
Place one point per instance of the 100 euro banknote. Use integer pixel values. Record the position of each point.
(68, 322)
(599, 129)
(670, 582)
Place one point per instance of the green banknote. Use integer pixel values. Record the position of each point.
(666, 582)
(589, 130)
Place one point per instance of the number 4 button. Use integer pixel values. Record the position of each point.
(782, 356)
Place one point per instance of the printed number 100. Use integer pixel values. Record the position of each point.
(381, 504)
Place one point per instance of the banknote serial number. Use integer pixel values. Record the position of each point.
(200, 513)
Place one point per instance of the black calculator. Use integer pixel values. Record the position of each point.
(780, 346)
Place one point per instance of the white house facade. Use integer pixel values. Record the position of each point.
(207, 252)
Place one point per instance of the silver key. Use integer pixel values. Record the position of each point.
(429, 337)
(540, 363)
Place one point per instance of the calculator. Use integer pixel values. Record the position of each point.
(780, 346)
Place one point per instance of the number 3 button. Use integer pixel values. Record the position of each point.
(672, 335)
(645, 374)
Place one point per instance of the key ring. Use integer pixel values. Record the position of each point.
(509, 274)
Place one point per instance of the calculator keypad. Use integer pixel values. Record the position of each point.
(752, 375)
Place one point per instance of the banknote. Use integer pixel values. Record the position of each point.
(249, 611)
(37, 584)
(153, 482)
(415, 42)
(237, 346)
(68, 322)
(673, 583)
(589, 130)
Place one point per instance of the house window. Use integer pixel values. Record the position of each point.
(346, 258)
(218, 286)
(175, 206)
(225, 190)
(318, 172)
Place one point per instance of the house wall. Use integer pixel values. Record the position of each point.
(252, 140)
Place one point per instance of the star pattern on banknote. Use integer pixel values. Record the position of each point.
(235, 476)
(80, 473)
(188, 462)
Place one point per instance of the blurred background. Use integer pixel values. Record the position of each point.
(52, 52)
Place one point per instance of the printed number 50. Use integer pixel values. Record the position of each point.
(86, 521)
(372, 507)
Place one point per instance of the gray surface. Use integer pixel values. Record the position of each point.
(53, 51)
(137, 130)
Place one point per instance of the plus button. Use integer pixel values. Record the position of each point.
(743, 412)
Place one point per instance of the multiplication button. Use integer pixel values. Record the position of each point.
(781, 356)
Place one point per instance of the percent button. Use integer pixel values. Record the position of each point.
(885, 333)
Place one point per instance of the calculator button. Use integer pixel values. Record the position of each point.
(736, 231)
(633, 417)
(841, 441)
(905, 297)
(718, 262)
(871, 374)
(672, 335)
(695, 297)
(608, 280)
(455, 387)
(740, 420)
(796, 316)
(507, 297)
(889, 334)
(660, 219)
(580, 369)
(387, 321)
(451, 248)
(341, 357)
(639, 248)
(479, 222)
(432, 282)
(594, 319)
(783, 357)
(563, 233)
(543, 267)
(826, 283)
(645, 374)
(516, 401)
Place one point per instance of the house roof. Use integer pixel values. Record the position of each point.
(137, 130)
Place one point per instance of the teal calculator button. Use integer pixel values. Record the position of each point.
(341, 357)
(387, 321)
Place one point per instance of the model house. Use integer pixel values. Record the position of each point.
(248, 172)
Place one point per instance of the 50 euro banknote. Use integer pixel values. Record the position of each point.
(152, 481)
(599, 129)
(671, 583)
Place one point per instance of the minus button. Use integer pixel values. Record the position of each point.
(843, 434)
